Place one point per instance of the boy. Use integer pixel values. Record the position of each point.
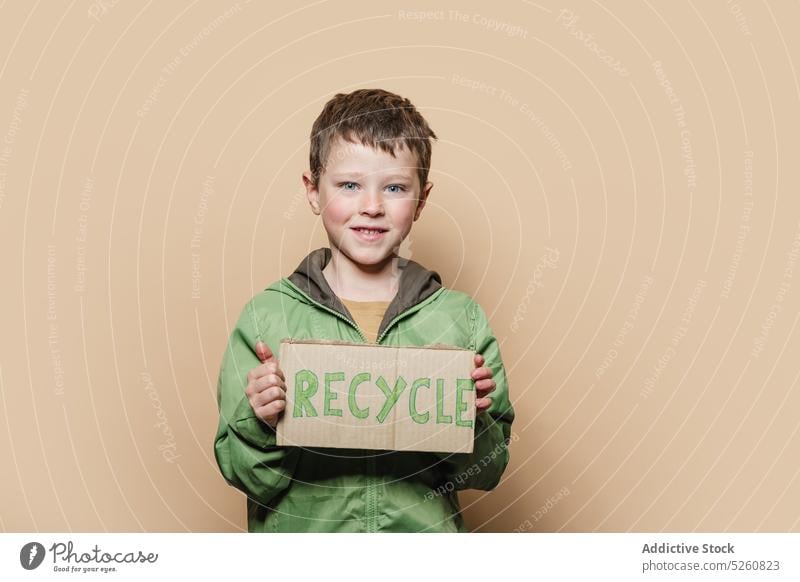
(368, 180)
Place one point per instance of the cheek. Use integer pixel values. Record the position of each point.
(403, 214)
(336, 211)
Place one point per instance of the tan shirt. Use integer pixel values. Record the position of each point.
(368, 316)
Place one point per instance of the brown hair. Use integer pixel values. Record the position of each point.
(376, 118)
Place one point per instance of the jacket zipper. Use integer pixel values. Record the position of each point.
(329, 310)
(409, 311)
(372, 497)
(372, 487)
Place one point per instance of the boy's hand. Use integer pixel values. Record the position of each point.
(266, 387)
(483, 384)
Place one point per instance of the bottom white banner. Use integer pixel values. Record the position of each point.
(532, 556)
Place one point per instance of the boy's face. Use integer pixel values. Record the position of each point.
(363, 188)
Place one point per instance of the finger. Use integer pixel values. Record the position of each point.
(256, 387)
(263, 352)
(269, 395)
(267, 383)
(481, 373)
(485, 386)
(277, 370)
(263, 370)
(267, 368)
(478, 360)
(483, 403)
(270, 409)
(260, 378)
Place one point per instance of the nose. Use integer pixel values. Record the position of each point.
(371, 203)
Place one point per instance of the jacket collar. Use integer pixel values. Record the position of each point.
(416, 284)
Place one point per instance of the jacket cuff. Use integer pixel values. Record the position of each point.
(252, 429)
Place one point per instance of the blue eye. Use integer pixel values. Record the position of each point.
(399, 188)
(349, 186)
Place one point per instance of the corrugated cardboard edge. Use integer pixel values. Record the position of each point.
(288, 340)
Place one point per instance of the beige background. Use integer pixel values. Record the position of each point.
(616, 183)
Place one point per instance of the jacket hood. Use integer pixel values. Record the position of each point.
(416, 284)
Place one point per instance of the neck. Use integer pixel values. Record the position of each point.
(356, 282)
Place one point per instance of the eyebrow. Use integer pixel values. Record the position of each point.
(400, 177)
(356, 175)
(346, 175)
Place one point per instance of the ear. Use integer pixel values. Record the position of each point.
(423, 198)
(312, 192)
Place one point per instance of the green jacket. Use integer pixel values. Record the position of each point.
(296, 489)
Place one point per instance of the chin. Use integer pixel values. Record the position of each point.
(369, 257)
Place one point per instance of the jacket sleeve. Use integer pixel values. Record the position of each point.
(244, 445)
(484, 466)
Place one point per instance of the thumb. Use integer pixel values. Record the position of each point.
(263, 352)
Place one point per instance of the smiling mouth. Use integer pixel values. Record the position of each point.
(369, 235)
(369, 230)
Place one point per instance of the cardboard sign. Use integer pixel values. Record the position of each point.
(369, 396)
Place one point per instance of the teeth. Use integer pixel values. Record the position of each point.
(364, 230)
